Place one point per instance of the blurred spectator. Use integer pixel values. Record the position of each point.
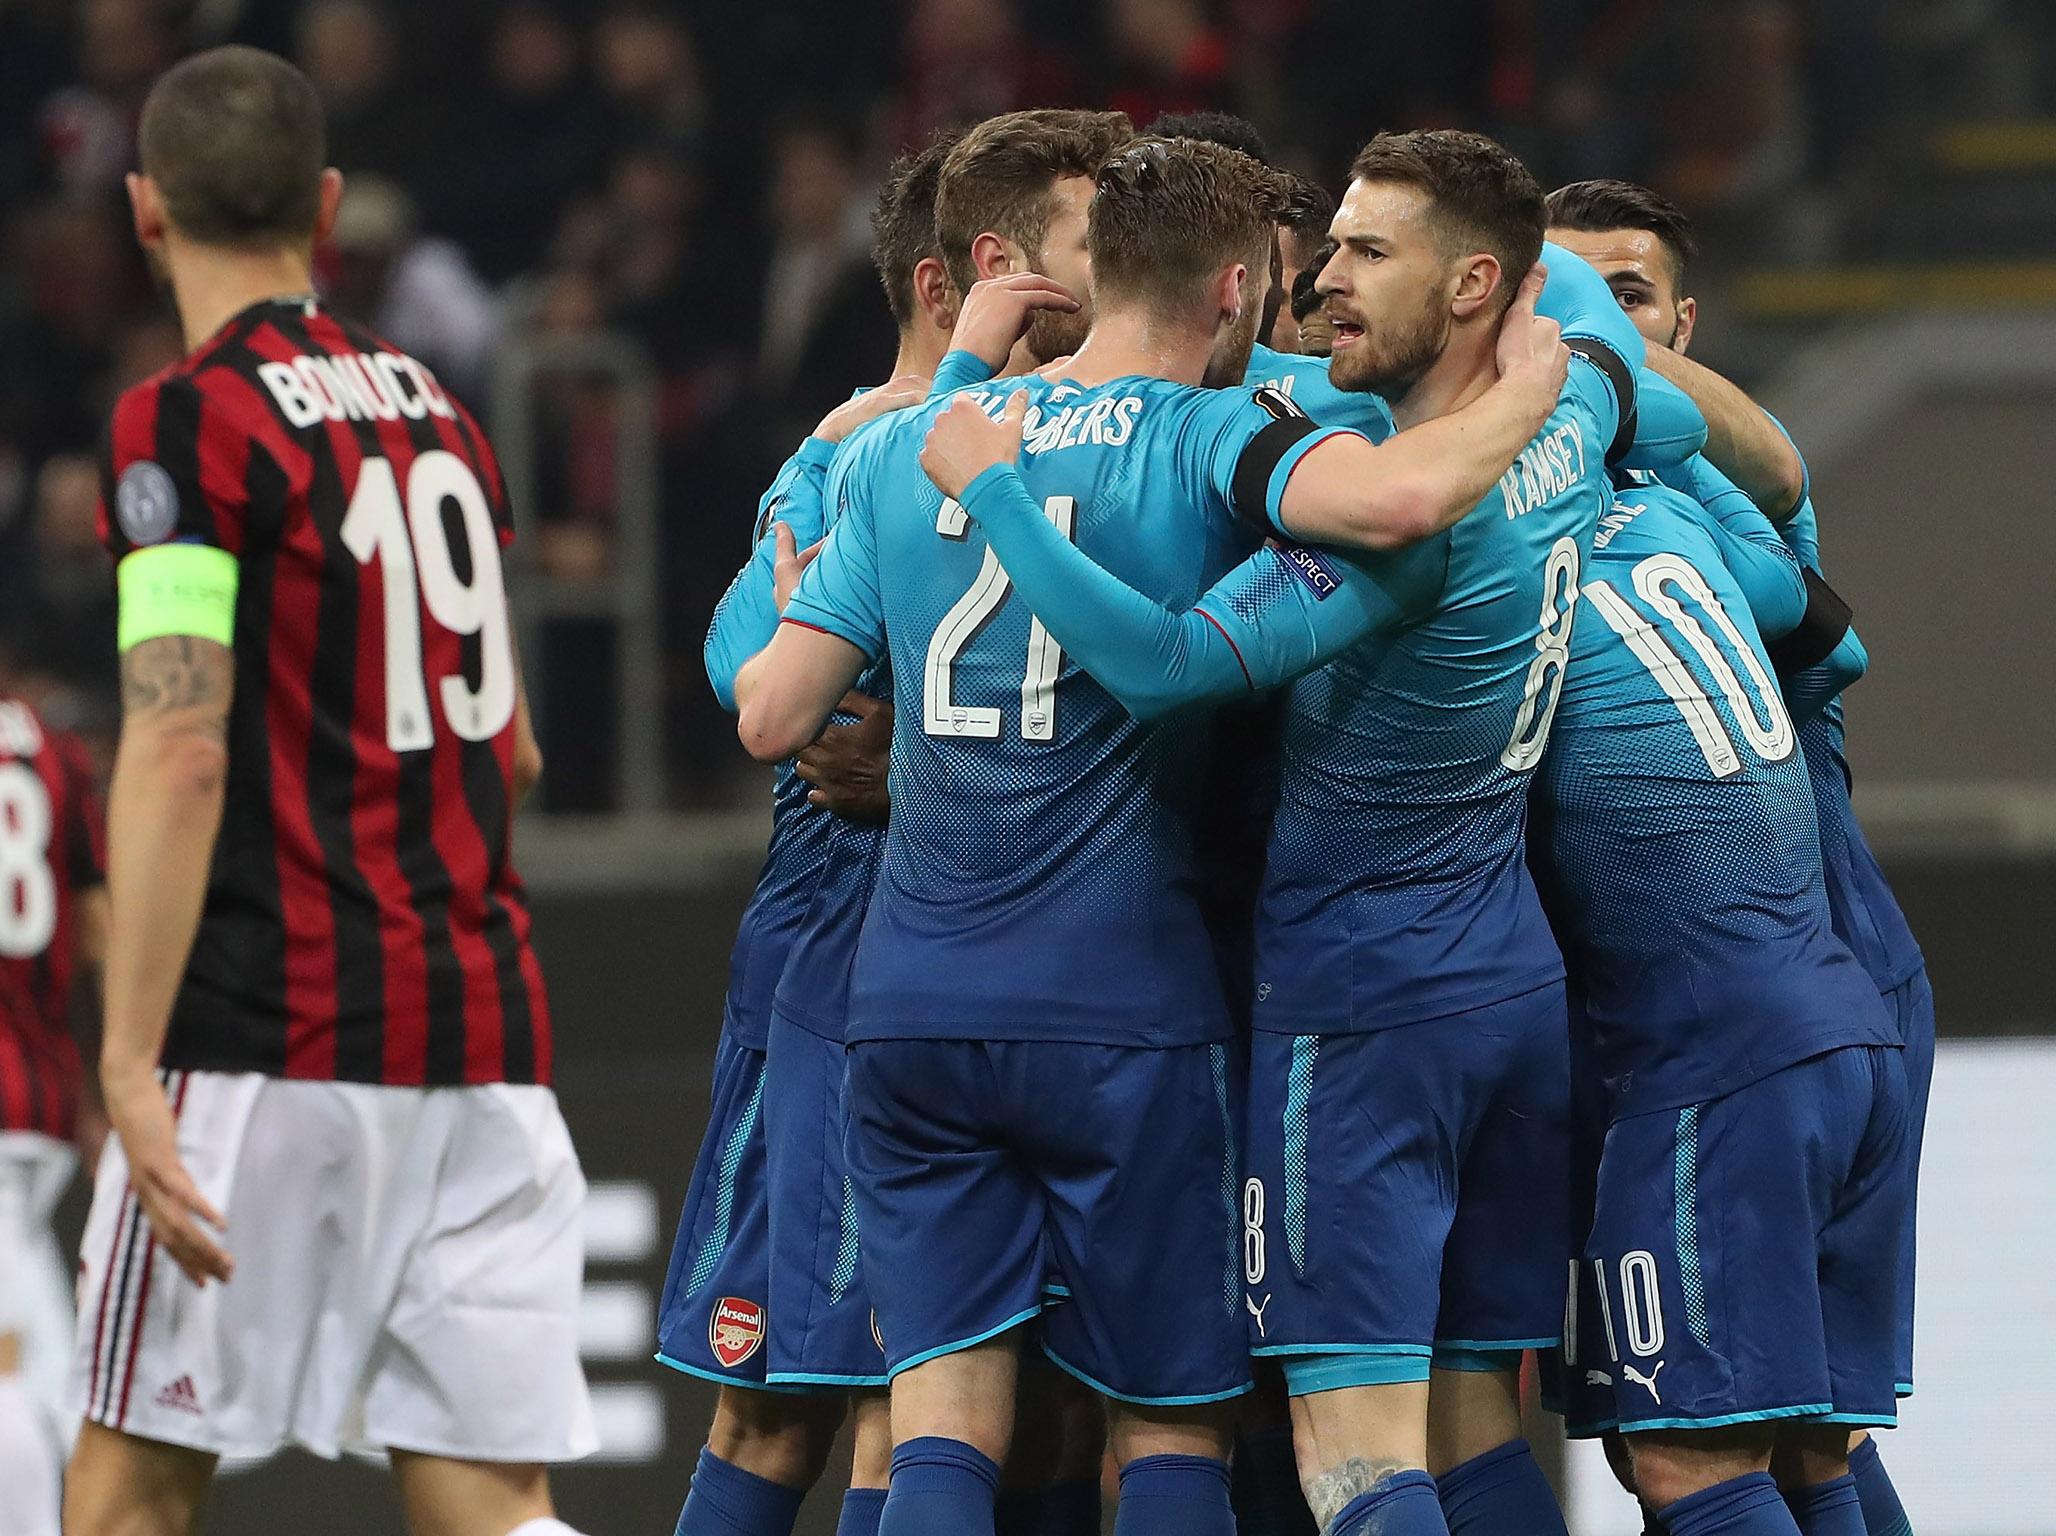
(970, 59)
(527, 139)
(417, 290)
(1169, 57)
(374, 124)
(59, 598)
(649, 77)
(825, 328)
(89, 128)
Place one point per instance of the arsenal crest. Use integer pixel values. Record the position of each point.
(735, 1331)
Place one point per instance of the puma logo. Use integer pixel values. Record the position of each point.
(1598, 1379)
(1648, 1381)
(1257, 1312)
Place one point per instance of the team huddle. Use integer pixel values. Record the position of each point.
(1366, 891)
(1312, 864)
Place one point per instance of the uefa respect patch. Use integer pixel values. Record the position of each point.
(1317, 572)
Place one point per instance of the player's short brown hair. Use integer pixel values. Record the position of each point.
(234, 139)
(1480, 195)
(1002, 175)
(1602, 205)
(1171, 213)
(903, 223)
(1308, 209)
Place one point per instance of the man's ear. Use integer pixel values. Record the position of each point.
(331, 200)
(1688, 319)
(1234, 289)
(934, 296)
(996, 256)
(1477, 282)
(146, 210)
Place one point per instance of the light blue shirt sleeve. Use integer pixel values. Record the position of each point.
(1811, 690)
(840, 594)
(1282, 612)
(747, 615)
(958, 370)
(1750, 547)
(1668, 426)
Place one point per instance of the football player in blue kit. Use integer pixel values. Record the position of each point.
(1643, 245)
(1409, 1080)
(1034, 939)
(760, 1297)
(1752, 1170)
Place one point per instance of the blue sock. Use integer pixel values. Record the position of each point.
(1828, 1509)
(724, 1500)
(940, 1487)
(861, 1508)
(1174, 1496)
(1264, 1487)
(1883, 1514)
(1501, 1491)
(1403, 1504)
(1063, 1509)
(1741, 1506)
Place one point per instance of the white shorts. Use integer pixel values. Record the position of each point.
(35, 1282)
(408, 1264)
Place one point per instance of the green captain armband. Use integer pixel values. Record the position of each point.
(177, 589)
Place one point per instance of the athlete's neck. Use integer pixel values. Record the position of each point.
(921, 351)
(1124, 342)
(1464, 371)
(212, 284)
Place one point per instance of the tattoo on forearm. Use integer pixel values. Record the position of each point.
(1330, 1492)
(177, 672)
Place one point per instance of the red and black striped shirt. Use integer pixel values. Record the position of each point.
(50, 854)
(363, 919)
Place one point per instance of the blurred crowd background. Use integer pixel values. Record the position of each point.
(695, 178)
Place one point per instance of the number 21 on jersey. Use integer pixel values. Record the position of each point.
(940, 715)
(409, 540)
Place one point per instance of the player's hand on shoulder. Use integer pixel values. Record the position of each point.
(790, 563)
(996, 313)
(1531, 353)
(963, 442)
(142, 1118)
(847, 763)
(894, 395)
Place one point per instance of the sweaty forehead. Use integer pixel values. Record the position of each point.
(1617, 250)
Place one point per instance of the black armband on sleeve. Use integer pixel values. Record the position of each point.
(1250, 487)
(1622, 378)
(1820, 629)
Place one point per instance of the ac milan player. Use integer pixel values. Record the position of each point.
(343, 1208)
(53, 922)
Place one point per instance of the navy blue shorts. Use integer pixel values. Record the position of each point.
(1743, 1251)
(986, 1171)
(1913, 1004)
(711, 1320)
(822, 1333)
(1581, 1389)
(1408, 1192)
